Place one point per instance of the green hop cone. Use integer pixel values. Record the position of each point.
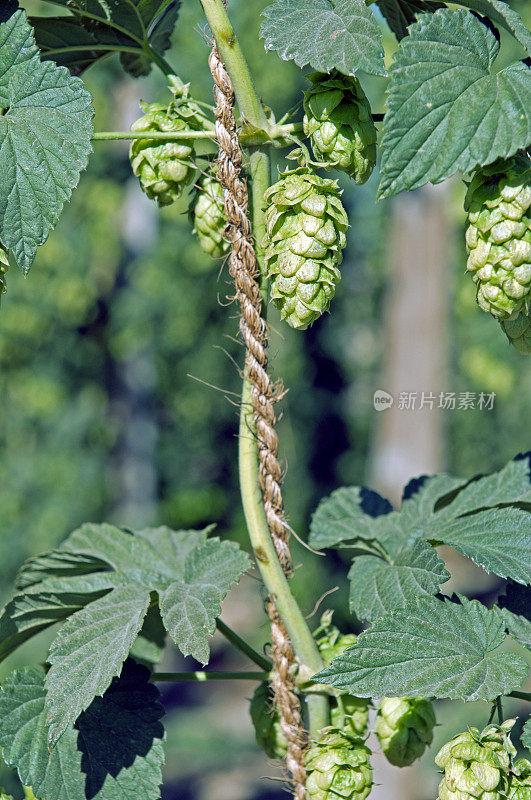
(266, 721)
(498, 235)
(404, 728)
(166, 168)
(520, 781)
(339, 124)
(517, 328)
(476, 765)
(337, 765)
(208, 217)
(305, 234)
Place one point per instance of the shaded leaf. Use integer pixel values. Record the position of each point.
(149, 644)
(499, 540)
(45, 140)
(502, 14)
(430, 647)
(401, 13)
(378, 586)
(114, 751)
(97, 29)
(526, 735)
(346, 515)
(89, 651)
(326, 34)
(447, 111)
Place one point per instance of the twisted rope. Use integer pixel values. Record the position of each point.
(243, 269)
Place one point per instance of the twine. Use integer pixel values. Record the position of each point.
(243, 269)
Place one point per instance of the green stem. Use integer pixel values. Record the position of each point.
(208, 676)
(261, 175)
(243, 646)
(520, 696)
(500, 710)
(157, 59)
(229, 48)
(301, 638)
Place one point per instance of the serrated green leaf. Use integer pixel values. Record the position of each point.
(511, 484)
(27, 615)
(45, 140)
(499, 540)
(401, 13)
(189, 608)
(422, 494)
(447, 111)
(114, 751)
(98, 28)
(515, 609)
(526, 735)
(56, 565)
(501, 14)
(378, 586)
(89, 651)
(326, 34)
(347, 515)
(430, 647)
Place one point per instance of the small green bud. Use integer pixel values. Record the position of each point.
(337, 766)
(339, 123)
(404, 728)
(498, 235)
(517, 328)
(266, 721)
(305, 234)
(208, 217)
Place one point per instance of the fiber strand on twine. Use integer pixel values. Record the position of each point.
(253, 329)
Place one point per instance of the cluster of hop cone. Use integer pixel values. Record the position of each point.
(476, 765)
(306, 222)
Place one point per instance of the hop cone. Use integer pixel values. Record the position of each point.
(166, 168)
(208, 216)
(404, 728)
(518, 330)
(355, 715)
(339, 123)
(337, 765)
(476, 765)
(498, 235)
(305, 234)
(266, 721)
(520, 781)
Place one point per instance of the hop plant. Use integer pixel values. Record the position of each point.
(166, 168)
(305, 234)
(517, 328)
(476, 765)
(266, 721)
(498, 235)
(404, 728)
(337, 765)
(208, 217)
(520, 781)
(338, 121)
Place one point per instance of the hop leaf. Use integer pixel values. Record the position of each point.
(337, 765)
(266, 721)
(404, 728)
(517, 328)
(498, 235)
(305, 234)
(208, 216)
(520, 781)
(338, 121)
(166, 168)
(476, 765)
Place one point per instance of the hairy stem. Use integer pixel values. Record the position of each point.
(260, 172)
(276, 583)
(208, 676)
(164, 136)
(229, 48)
(243, 646)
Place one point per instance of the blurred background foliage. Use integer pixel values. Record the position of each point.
(119, 375)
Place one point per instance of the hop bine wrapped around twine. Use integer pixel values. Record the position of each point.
(253, 328)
